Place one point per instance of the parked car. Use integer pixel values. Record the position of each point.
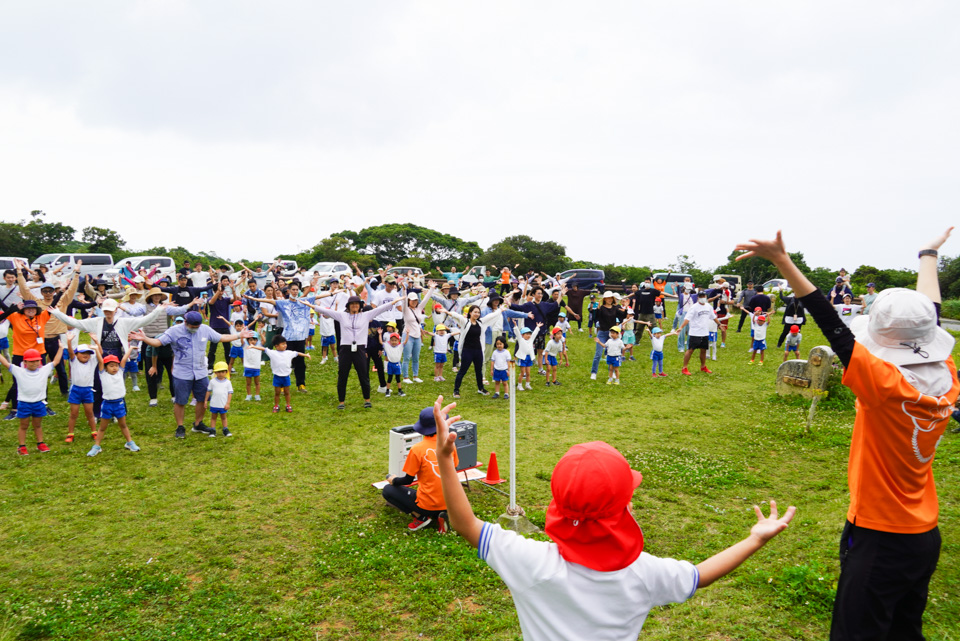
(584, 278)
(9, 262)
(165, 266)
(410, 272)
(733, 279)
(329, 270)
(481, 274)
(775, 283)
(671, 280)
(93, 264)
(288, 268)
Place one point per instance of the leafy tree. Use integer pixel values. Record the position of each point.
(32, 238)
(102, 240)
(397, 242)
(540, 256)
(883, 278)
(950, 277)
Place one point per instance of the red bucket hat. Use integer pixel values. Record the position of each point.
(589, 517)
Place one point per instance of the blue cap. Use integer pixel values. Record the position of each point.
(193, 318)
(871, 284)
(656, 330)
(178, 319)
(426, 424)
(526, 330)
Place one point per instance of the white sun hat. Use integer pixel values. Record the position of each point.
(609, 294)
(902, 329)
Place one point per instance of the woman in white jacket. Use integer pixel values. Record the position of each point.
(472, 331)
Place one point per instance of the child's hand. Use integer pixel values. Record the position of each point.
(768, 527)
(538, 324)
(309, 356)
(446, 442)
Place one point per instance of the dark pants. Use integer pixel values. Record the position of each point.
(299, 363)
(783, 335)
(470, 357)
(743, 317)
(358, 361)
(381, 369)
(212, 350)
(97, 393)
(52, 345)
(405, 499)
(336, 331)
(164, 362)
(883, 584)
(505, 289)
(400, 323)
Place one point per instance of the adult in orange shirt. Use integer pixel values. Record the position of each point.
(898, 363)
(425, 503)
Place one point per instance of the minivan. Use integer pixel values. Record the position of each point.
(165, 266)
(93, 264)
(9, 262)
(583, 278)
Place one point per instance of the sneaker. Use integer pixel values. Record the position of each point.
(301, 388)
(443, 523)
(442, 379)
(367, 404)
(401, 393)
(276, 408)
(248, 397)
(387, 394)
(616, 381)
(96, 449)
(152, 403)
(549, 383)
(723, 344)
(136, 388)
(336, 359)
(506, 396)
(483, 392)
(528, 385)
(408, 381)
(593, 376)
(22, 450)
(556, 382)
(50, 411)
(760, 363)
(181, 432)
(418, 524)
(519, 387)
(209, 371)
(609, 381)
(323, 360)
(383, 389)
(750, 362)
(69, 438)
(342, 406)
(43, 447)
(542, 372)
(686, 372)
(707, 371)
(436, 379)
(256, 397)
(655, 375)
(417, 379)
(227, 432)
(456, 393)
(130, 445)
(485, 381)
(456, 369)
(193, 402)
(663, 374)
(200, 428)
(632, 358)
(289, 409)
(496, 395)
(714, 357)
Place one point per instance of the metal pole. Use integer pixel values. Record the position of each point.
(513, 437)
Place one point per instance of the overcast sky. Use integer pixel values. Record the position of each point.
(629, 132)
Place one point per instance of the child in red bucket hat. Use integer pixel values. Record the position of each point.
(593, 581)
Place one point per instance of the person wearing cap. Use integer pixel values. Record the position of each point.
(643, 300)
(499, 328)
(114, 405)
(592, 580)
(183, 293)
(793, 313)
(592, 307)
(837, 292)
(393, 352)
(28, 323)
(847, 311)
(30, 380)
(452, 301)
(219, 395)
(552, 351)
(898, 363)
(425, 503)
(158, 359)
(608, 314)
(868, 298)
(412, 309)
(441, 345)
(543, 312)
(354, 327)
(470, 346)
(758, 330)
(188, 341)
(386, 291)
(83, 366)
(525, 353)
(792, 343)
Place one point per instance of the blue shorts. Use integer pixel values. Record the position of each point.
(551, 360)
(656, 356)
(4, 343)
(250, 372)
(793, 348)
(117, 408)
(132, 366)
(613, 360)
(80, 395)
(28, 410)
(759, 346)
(281, 381)
(456, 345)
(658, 316)
(183, 387)
(217, 410)
(501, 375)
(526, 361)
(713, 337)
(236, 352)
(439, 357)
(393, 368)
(326, 341)
(312, 331)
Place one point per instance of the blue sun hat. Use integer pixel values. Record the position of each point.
(426, 424)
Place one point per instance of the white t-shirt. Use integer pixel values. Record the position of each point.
(759, 331)
(564, 326)
(31, 386)
(81, 374)
(268, 307)
(440, 343)
(559, 600)
(252, 358)
(614, 347)
(656, 342)
(199, 279)
(394, 354)
(500, 358)
(112, 384)
(847, 312)
(554, 347)
(281, 362)
(698, 319)
(220, 391)
(327, 326)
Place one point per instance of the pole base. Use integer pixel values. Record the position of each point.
(517, 523)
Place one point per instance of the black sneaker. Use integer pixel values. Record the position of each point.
(456, 393)
(387, 393)
(401, 393)
(50, 411)
(12, 415)
(181, 432)
(556, 382)
(341, 406)
(200, 428)
(483, 392)
(367, 404)
(226, 432)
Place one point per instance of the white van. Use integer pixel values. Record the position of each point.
(9, 262)
(329, 270)
(93, 264)
(165, 266)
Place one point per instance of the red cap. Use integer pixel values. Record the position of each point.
(757, 309)
(237, 303)
(395, 335)
(659, 300)
(110, 359)
(794, 329)
(589, 517)
(32, 355)
(557, 330)
(761, 318)
(437, 306)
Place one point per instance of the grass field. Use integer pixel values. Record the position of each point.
(276, 533)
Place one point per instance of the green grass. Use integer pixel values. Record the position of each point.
(277, 533)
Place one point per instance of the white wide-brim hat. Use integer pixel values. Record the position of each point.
(902, 329)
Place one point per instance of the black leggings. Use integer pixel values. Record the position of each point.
(378, 362)
(783, 335)
(405, 499)
(743, 317)
(299, 363)
(212, 350)
(52, 344)
(470, 357)
(358, 361)
(164, 362)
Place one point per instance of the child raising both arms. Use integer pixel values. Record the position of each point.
(441, 342)
(551, 352)
(614, 347)
(525, 353)
(393, 351)
(83, 365)
(114, 393)
(281, 363)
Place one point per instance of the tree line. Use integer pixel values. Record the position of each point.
(416, 246)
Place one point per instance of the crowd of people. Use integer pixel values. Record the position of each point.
(379, 322)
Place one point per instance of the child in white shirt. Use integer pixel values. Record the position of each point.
(83, 365)
(712, 339)
(328, 337)
(792, 343)
(114, 392)
(252, 361)
(393, 351)
(614, 347)
(281, 362)
(564, 326)
(656, 353)
(219, 394)
(552, 352)
(441, 342)
(501, 362)
(758, 324)
(31, 377)
(525, 353)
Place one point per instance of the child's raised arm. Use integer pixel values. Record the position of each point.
(462, 518)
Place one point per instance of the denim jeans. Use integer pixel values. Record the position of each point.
(682, 336)
(411, 352)
(603, 337)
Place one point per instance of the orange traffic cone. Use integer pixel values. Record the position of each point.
(493, 472)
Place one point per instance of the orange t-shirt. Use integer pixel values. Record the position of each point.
(422, 463)
(660, 287)
(26, 331)
(505, 278)
(895, 438)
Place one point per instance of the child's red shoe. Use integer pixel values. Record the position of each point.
(69, 438)
(43, 447)
(22, 450)
(705, 370)
(686, 372)
(289, 408)
(276, 408)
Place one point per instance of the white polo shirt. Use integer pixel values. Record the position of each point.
(281, 363)
(81, 374)
(557, 600)
(31, 386)
(113, 387)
